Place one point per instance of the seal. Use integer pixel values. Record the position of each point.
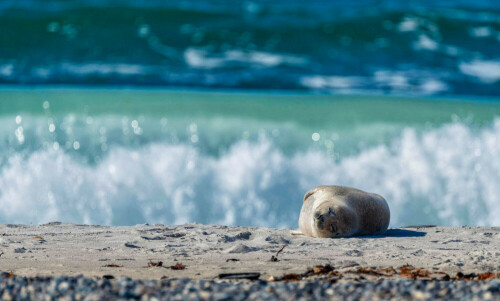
(339, 211)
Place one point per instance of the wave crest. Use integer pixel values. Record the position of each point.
(444, 176)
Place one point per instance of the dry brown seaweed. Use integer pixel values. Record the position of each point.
(178, 266)
(154, 264)
(407, 271)
(113, 265)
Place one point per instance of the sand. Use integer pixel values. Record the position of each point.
(207, 250)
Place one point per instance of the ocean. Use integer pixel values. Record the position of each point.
(227, 112)
(390, 47)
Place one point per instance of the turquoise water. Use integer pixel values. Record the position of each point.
(437, 47)
(109, 156)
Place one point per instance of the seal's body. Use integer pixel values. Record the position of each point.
(338, 211)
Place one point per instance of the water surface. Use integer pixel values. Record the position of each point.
(124, 157)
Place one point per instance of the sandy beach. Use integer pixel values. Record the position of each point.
(206, 251)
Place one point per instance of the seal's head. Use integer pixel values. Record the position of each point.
(333, 221)
(326, 222)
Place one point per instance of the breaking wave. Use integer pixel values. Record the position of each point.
(445, 176)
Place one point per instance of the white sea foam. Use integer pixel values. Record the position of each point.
(396, 81)
(332, 82)
(432, 86)
(444, 176)
(486, 71)
(200, 58)
(425, 43)
(6, 70)
(408, 24)
(481, 32)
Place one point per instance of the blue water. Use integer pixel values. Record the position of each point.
(382, 47)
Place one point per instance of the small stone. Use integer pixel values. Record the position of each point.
(6, 295)
(63, 286)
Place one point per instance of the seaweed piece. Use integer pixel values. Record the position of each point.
(388, 272)
(316, 271)
(113, 265)
(406, 269)
(485, 276)
(178, 266)
(322, 269)
(7, 275)
(154, 264)
(411, 272)
(291, 277)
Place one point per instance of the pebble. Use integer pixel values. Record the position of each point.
(81, 288)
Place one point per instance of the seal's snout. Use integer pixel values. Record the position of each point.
(331, 227)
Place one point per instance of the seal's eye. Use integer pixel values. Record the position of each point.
(317, 214)
(331, 212)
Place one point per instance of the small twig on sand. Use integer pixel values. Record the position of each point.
(275, 258)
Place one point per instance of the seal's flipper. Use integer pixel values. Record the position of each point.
(296, 232)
